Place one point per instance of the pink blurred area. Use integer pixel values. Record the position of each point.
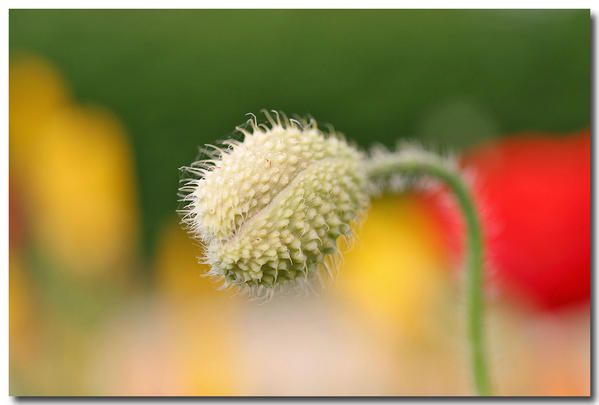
(86, 320)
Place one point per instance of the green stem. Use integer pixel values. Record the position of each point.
(381, 169)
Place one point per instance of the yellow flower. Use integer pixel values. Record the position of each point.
(81, 194)
(74, 167)
(395, 271)
(36, 92)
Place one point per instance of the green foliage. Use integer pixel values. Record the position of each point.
(182, 78)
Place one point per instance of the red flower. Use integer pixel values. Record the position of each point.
(534, 195)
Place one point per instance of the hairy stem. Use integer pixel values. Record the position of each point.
(381, 170)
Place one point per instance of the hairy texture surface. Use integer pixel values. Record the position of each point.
(269, 209)
(407, 153)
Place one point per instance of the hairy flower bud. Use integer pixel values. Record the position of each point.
(269, 209)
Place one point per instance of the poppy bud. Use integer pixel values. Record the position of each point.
(269, 209)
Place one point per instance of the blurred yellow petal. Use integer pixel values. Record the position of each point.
(36, 91)
(179, 275)
(82, 196)
(395, 271)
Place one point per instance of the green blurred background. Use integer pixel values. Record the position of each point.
(181, 78)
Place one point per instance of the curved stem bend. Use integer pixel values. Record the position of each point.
(382, 169)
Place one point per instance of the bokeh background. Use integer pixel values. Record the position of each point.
(106, 296)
